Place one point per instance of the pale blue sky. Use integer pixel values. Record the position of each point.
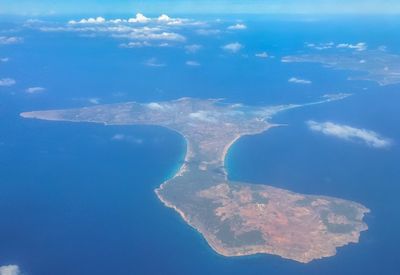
(31, 7)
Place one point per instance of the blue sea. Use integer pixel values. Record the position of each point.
(76, 200)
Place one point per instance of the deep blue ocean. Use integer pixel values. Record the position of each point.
(75, 201)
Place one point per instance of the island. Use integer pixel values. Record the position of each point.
(373, 65)
(235, 218)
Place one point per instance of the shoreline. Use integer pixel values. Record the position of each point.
(183, 169)
(180, 172)
(218, 157)
(209, 239)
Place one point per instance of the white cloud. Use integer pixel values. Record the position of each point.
(138, 31)
(166, 36)
(192, 63)
(8, 40)
(117, 21)
(349, 133)
(194, 48)
(4, 59)
(166, 19)
(321, 46)
(337, 96)
(153, 62)
(299, 80)
(32, 21)
(35, 90)
(232, 47)
(287, 59)
(138, 44)
(208, 32)
(141, 44)
(10, 270)
(164, 44)
(146, 34)
(238, 26)
(261, 55)
(154, 106)
(94, 100)
(91, 20)
(7, 82)
(330, 45)
(163, 17)
(358, 47)
(139, 18)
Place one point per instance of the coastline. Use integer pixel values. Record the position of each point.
(238, 136)
(217, 159)
(182, 171)
(210, 239)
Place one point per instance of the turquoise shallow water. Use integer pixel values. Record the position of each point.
(74, 200)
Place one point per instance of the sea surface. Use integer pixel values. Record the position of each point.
(78, 198)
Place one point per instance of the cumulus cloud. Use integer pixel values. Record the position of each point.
(358, 47)
(8, 40)
(192, 63)
(91, 20)
(194, 48)
(35, 90)
(153, 62)
(147, 34)
(138, 31)
(238, 26)
(361, 46)
(4, 59)
(154, 106)
(321, 46)
(7, 82)
(163, 18)
(139, 18)
(10, 270)
(232, 47)
(349, 133)
(164, 36)
(299, 80)
(261, 55)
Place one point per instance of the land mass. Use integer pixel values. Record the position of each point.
(236, 218)
(372, 65)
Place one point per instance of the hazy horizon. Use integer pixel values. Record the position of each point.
(54, 7)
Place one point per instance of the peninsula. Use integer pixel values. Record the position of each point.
(236, 218)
